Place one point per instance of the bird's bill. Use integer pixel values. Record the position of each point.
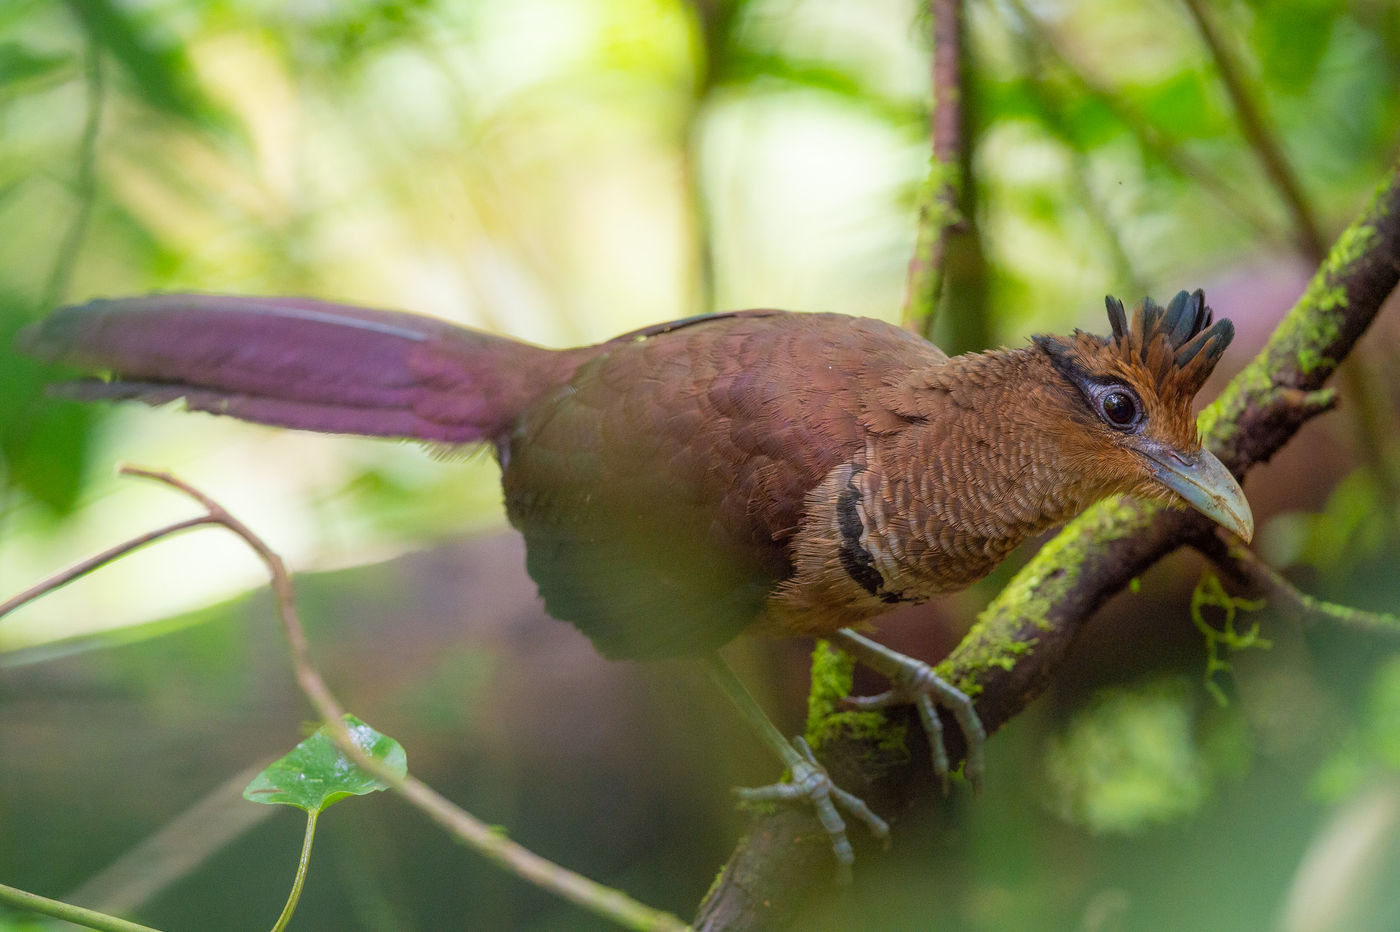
(1207, 486)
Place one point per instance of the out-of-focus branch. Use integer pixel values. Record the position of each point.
(1262, 141)
(714, 21)
(1022, 637)
(1369, 410)
(938, 200)
(1033, 55)
(1244, 567)
(1152, 139)
(175, 850)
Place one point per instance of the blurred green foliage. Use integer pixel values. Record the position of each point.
(1131, 759)
(44, 443)
(1370, 752)
(562, 170)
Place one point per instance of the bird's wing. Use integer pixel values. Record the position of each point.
(659, 490)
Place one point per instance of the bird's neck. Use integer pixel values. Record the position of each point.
(998, 469)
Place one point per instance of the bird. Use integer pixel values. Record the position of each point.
(764, 471)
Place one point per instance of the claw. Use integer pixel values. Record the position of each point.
(847, 800)
(811, 785)
(913, 681)
(933, 727)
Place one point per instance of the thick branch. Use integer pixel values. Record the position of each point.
(1023, 636)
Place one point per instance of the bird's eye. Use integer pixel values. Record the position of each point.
(1119, 408)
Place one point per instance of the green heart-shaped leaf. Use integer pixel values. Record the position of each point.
(316, 773)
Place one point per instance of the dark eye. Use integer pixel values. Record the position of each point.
(1119, 408)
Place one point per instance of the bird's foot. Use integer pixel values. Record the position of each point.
(811, 785)
(913, 682)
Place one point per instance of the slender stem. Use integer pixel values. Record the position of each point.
(698, 211)
(737, 693)
(715, 22)
(21, 899)
(102, 559)
(713, 25)
(302, 864)
(1261, 138)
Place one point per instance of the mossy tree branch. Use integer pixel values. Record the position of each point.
(1369, 411)
(1022, 637)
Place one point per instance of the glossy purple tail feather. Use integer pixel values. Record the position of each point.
(302, 363)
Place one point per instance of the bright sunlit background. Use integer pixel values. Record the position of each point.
(565, 170)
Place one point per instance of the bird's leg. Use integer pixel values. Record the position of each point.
(913, 681)
(809, 782)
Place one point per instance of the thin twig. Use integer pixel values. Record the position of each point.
(938, 201)
(1244, 566)
(1261, 139)
(698, 210)
(62, 579)
(714, 21)
(488, 841)
(603, 901)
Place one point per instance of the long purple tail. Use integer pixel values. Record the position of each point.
(301, 363)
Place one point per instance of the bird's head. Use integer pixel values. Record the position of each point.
(1131, 396)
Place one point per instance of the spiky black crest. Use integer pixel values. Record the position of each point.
(1176, 346)
(1186, 324)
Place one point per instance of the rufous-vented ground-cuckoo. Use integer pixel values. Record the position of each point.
(787, 473)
